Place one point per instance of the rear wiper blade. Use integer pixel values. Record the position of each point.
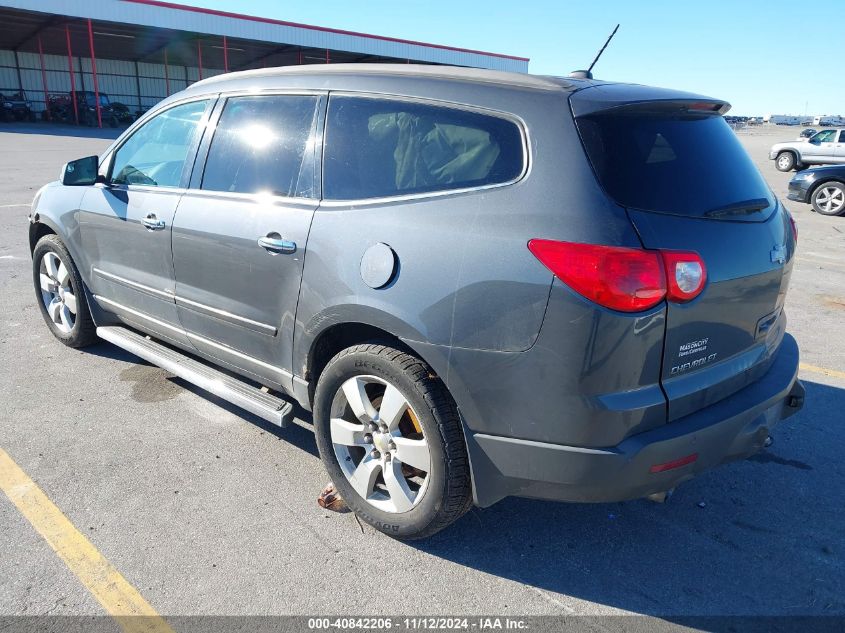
(746, 207)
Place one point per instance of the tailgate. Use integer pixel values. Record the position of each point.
(724, 339)
(688, 185)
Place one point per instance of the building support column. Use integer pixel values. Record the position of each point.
(94, 73)
(138, 85)
(44, 79)
(18, 69)
(72, 76)
(166, 74)
(199, 57)
(225, 55)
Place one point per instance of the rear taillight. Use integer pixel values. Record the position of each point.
(685, 275)
(794, 227)
(624, 279)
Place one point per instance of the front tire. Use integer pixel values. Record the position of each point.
(785, 161)
(829, 198)
(391, 440)
(60, 293)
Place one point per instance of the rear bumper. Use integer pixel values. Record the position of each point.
(731, 429)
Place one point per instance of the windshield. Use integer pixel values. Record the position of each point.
(89, 99)
(690, 165)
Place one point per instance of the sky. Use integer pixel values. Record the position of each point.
(763, 56)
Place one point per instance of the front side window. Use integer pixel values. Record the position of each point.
(826, 136)
(380, 148)
(842, 136)
(155, 154)
(260, 146)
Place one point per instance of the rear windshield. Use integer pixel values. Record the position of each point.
(690, 165)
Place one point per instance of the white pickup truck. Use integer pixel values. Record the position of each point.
(822, 148)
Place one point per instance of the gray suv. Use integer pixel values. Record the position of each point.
(481, 284)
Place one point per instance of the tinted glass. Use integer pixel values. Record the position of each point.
(155, 154)
(259, 146)
(377, 148)
(842, 136)
(683, 165)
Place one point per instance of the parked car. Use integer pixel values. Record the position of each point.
(62, 110)
(825, 147)
(823, 187)
(16, 107)
(469, 313)
(806, 133)
(122, 113)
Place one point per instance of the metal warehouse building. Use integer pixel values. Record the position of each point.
(140, 51)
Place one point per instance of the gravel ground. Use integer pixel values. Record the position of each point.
(206, 510)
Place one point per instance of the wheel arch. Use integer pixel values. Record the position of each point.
(819, 183)
(335, 337)
(37, 230)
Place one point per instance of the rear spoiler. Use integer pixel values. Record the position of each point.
(634, 98)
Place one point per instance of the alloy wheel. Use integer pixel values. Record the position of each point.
(379, 443)
(831, 199)
(57, 292)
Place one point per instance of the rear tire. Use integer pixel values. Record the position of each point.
(829, 198)
(785, 161)
(392, 395)
(60, 293)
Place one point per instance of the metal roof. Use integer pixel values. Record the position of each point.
(154, 24)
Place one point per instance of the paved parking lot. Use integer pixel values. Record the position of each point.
(206, 510)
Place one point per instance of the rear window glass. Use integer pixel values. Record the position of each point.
(379, 148)
(681, 165)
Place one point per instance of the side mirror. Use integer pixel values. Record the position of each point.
(82, 171)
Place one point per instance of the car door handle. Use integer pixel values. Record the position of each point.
(152, 222)
(274, 243)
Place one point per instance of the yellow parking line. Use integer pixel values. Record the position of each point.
(120, 599)
(822, 370)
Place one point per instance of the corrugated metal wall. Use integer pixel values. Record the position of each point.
(197, 21)
(138, 85)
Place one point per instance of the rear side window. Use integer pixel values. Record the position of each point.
(260, 144)
(380, 148)
(691, 165)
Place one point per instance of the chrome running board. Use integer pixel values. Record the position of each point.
(265, 406)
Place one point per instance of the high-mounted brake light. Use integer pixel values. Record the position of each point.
(705, 106)
(624, 279)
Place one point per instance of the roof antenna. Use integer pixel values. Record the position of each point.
(588, 74)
